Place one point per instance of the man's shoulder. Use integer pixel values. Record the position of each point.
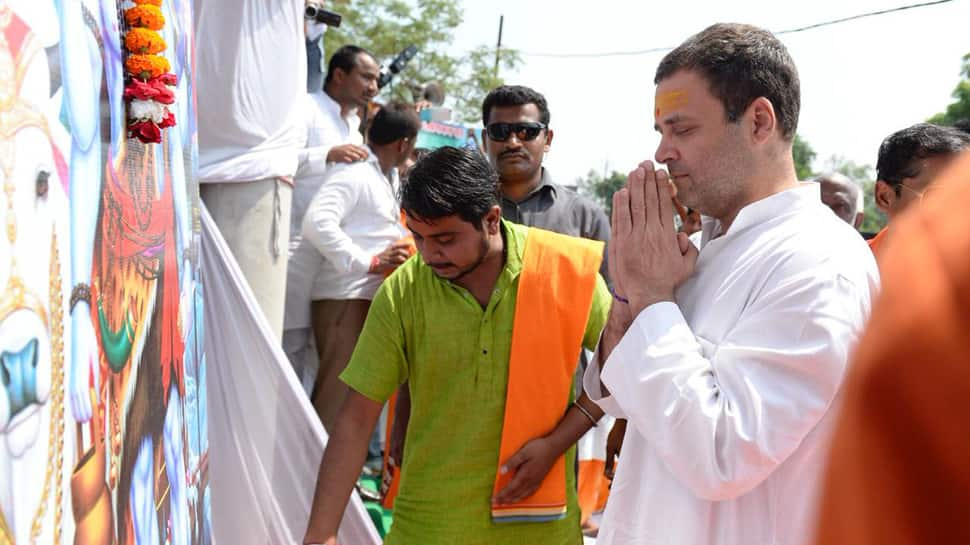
(815, 240)
(572, 199)
(556, 242)
(349, 172)
(410, 279)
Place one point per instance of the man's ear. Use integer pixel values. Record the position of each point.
(549, 135)
(338, 76)
(764, 122)
(885, 196)
(492, 220)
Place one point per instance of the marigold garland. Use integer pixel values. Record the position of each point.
(145, 16)
(147, 66)
(150, 90)
(144, 41)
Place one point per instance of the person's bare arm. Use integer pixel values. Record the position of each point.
(533, 461)
(340, 467)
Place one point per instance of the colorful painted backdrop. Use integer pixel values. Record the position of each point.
(102, 368)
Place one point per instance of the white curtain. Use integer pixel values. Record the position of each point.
(265, 441)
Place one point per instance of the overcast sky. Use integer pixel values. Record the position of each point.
(861, 80)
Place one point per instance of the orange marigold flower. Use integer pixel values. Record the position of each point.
(144, 41)
(147, 66)
(149, 2)
(145, 16)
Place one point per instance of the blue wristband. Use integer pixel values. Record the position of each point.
(619, 298)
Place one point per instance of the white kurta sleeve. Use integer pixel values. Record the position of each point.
(593, 388)
(320, 139)
(321, 224)
(724, 416)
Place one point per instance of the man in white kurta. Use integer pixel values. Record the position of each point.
(332, 137)
(354, 224)
(726, 360)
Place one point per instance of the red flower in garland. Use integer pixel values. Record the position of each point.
(169, 121)
(168, 78)
(140, 90)
(146, 131)
(153, 89)
(164, 94)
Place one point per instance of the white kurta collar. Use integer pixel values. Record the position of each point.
(759, 212)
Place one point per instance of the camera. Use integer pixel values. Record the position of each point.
(397, 65)
(319, 15)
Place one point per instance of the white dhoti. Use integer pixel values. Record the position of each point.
(254, 219)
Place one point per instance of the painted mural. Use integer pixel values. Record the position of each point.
(102, 367)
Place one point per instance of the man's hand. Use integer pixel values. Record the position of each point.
(346, 153)
(613, 443)
(344, 456)
(651, 259)
(391, 258)
(531, 464)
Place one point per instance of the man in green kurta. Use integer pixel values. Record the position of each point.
(443, 323)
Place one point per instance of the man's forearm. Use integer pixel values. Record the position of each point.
(339, 469)
(575, 424)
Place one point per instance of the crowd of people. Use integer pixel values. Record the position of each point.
(499, 316)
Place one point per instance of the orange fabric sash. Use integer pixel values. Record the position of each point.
(393, 473)
(555, 295)
(876, 242)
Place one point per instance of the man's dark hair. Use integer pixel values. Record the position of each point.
(963, 125)
(741, 63)
(451, 181)
(515, 95)
(345, 59)
(393, 122)
(901, 152)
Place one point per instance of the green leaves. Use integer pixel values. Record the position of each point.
(960, 107)
(385, 27)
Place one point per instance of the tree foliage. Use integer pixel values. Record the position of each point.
(803, 154)
(960, 107)
(386, 27)
(602, 189)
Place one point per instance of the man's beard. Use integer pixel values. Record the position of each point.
(478, 262)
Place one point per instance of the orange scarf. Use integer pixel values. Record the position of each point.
(876, 242)
(555, 295)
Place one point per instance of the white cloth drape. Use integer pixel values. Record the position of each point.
(265, 440)
(250, 72)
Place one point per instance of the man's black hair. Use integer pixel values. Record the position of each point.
(393, 122)
(515, 95)
(345, 59)
(901, 152)
(741, 63)
(450, 181)
(963, 125)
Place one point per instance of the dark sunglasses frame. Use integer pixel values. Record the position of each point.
(500, 132)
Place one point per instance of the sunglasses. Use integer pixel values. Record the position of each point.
(500, 132)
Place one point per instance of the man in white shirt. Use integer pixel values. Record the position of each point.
(354, 223)
(726, 360)
(251, 71)
(333, 136)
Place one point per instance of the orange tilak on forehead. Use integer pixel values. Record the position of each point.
(668, 101)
